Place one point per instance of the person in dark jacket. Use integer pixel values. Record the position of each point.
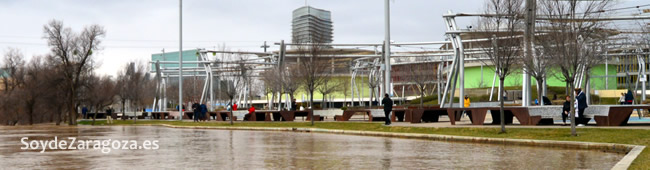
(196, 108)
(566, 109)
(629, 97)
(109, 115)
(547, 101)
(388, 107)
(84, 111)
(582, 105)
(294, 105)
(204, 111)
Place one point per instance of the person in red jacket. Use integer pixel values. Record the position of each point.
(234, 107)
(251, 110)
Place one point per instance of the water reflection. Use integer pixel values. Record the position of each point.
(220, 149)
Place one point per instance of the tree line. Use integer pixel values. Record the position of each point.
(53, 87)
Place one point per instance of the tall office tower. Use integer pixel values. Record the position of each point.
(311, 25)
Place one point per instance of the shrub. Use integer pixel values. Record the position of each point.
(426, 99)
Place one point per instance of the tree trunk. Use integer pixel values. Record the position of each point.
(540, 94)
(95, 115)
(279, 101)
(30, 112)
(124, 108)
(272, 101)
(573, 110)
(135, 115)
(501, 114)
(311, 101)
(72, 113)
(421, 98)
(322, 103)
(58, 115)
(587, 86)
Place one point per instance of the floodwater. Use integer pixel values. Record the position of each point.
(224, 149)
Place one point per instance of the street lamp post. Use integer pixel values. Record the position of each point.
(387, 87)
(180, 59)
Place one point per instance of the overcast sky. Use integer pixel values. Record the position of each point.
(136, 29)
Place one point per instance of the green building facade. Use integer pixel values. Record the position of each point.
(188, 55)
(474, 75)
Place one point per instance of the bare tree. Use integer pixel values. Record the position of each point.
(12, 79)
(420, 75)
(312, 65)
(229, 89)
(505, 47)
(192, 88)
(345, 89)
(567, 42)
(34, 87)
(56, 90)
(236, 80)
(101, 94)
(272, 82)
(13, 66)
(74, 54)
(328, 87)
(133, 82)
(291, 81)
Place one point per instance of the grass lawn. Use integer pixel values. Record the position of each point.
(621, 136)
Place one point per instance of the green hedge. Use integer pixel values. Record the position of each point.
(427, 99)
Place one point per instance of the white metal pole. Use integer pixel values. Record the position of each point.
(526, 89)
(644, 77)
(211, 91)
(387, 86)
(165, 94)
(180, 59)
(461, 77)
(494, 77)
(439, 75)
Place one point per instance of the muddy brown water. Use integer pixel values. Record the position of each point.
(226, 149)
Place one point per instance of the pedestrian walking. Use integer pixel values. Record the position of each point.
(621, 100)
(581, 102)
(84, 111)
(629, 97)
(109, 116)
(388, 107)
(204, 111)
(196, 108)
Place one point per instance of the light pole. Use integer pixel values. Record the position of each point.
(180, 59)
(387, 88)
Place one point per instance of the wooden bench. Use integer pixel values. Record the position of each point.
(477, 115)
(401, 115)
(618, 115)
(430, 114)
(291, 115)
(328, 113)
(347, 114)
(224, 116)
(159, 115)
